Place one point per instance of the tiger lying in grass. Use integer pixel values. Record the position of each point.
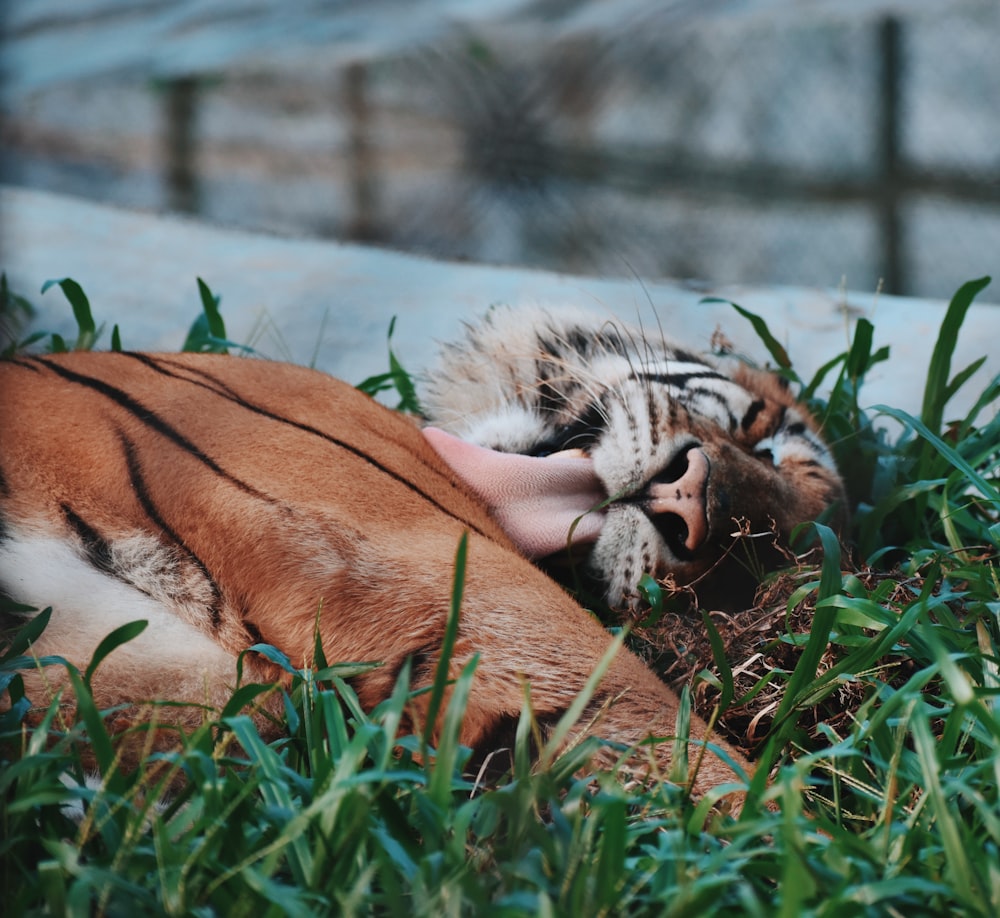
(235, 501)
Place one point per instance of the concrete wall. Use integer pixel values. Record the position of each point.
(330, 304)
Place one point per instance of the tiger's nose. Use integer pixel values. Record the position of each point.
(676, 500)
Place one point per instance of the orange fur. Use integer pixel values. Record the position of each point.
(288, 492)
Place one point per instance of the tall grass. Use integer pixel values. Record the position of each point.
(877, 792)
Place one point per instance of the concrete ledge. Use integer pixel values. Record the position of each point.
(330, 304)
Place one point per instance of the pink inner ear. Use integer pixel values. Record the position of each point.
(536, 501)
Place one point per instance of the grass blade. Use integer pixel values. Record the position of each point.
(97, 734)
(774, 347)
(26, 635)
(575, 710)
(86, 327)
(728, 686)
(441, 676)
(448, 746)
(210, 305)
(936, 391)
(121, 635)
(957, 858)
(824, 617)
(986, 488)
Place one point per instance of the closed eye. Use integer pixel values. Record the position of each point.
(581, 434)
(577, 444)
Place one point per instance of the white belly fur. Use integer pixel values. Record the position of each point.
(170, 659)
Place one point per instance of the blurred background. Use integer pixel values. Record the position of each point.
(808, 142)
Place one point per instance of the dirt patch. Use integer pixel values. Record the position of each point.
(762, 646)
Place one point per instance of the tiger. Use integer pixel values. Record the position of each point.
(670, 464)
(231, 502)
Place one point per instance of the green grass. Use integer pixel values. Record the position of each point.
(882, 758)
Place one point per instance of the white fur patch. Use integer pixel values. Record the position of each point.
(510, 427)
(44, 570)
(804, 446)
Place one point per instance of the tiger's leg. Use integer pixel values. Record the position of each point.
(525, 630)
(169, 659)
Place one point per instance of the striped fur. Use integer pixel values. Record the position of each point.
(230, 501)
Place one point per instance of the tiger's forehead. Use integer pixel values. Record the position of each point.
(704, 390)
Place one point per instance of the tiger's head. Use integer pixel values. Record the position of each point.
(633, 451)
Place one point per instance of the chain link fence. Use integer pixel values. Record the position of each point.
(857, 144)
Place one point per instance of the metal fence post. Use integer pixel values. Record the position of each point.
(180, 143)
(890, 180)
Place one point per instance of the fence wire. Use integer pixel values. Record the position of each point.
(783, 147)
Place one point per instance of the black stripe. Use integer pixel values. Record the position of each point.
(756, 407)
(717, 397)
(654, 428)
(251, 629)
(157, 366)
(679, 380)
(781, 419)
(222, 390)
(548, 398)
(583, 432)
(681, 356)
(146, 502)
(96, 548)
(153, 420)
(25, 363)
(585, 343)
